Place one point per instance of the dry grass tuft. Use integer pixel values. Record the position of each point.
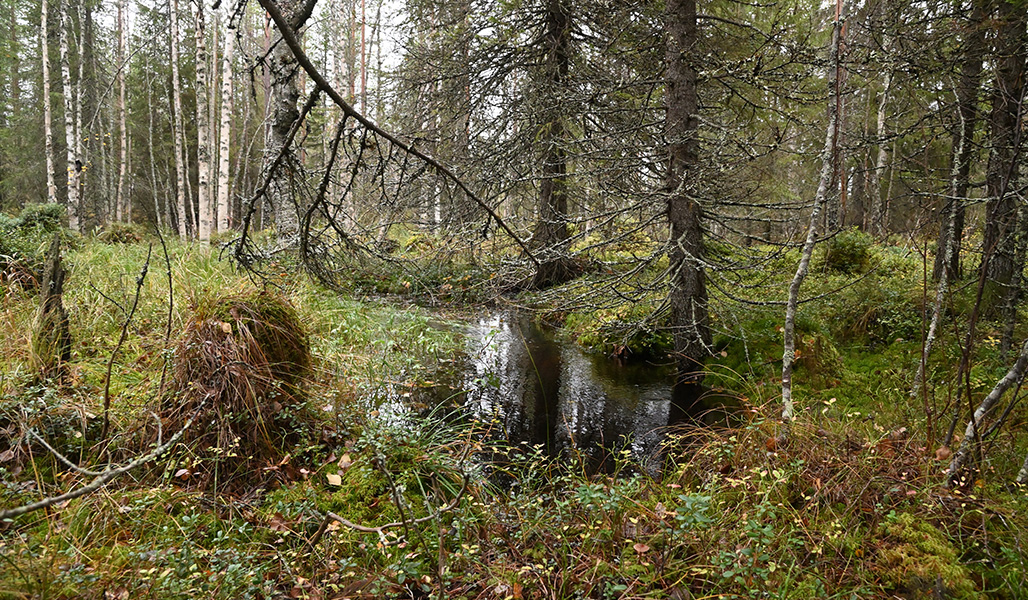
(246, 358)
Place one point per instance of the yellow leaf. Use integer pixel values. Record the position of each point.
(334, 479)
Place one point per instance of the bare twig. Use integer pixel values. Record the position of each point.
(381, 529)
(103, 477)
(121, 341)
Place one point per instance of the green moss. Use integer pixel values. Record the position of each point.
(364, 497)
(920, 559)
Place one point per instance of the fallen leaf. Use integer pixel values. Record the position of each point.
(943, 453)
(334, 479)
(278, 523)
(345, 463)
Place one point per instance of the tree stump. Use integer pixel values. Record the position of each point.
(51, 335)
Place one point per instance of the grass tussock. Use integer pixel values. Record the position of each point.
(240, 366)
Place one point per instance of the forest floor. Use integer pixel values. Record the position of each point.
(336, 497)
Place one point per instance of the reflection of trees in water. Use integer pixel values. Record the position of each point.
(544, 392)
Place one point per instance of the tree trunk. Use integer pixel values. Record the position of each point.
(879, 216)
(203, 144)
(688, 293)
(969, 445)
(48, 131)
(551, 233)
(789, 342)
(224, 194)
(1002, 171)
(123, 208)
(963, 140)
(74, 170)
(51, 336)
(284, 96)
(181, 218)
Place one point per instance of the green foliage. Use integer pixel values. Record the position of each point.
(622, 331)
(919, 559)
(848, 251)
(24, 239)
(123, 233)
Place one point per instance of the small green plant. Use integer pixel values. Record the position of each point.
(848, 251)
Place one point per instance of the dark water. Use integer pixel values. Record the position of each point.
(532, 388)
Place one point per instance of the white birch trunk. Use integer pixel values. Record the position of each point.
(48, 131)
(226, 134)
(878, 215)
(947, 252)
(79, 147)
(73, 168)
(203, 144)
(789, 341)
(176, 98)
(122, 205)
(974, 426)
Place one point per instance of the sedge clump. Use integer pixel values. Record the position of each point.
(239, 373)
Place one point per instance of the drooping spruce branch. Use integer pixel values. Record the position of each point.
(289, 37)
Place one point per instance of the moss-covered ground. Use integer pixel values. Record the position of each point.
(850, 505)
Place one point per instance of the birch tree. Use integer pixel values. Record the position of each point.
(203, 149)
(48, 132)
(789, 336)
(177, 128)
(226, 132)
(285, 94)
(74, 166)
(123, 208)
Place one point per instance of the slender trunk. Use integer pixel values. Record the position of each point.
(203, 148)
(969, 446)
(226, 134)
(177, 129)
(944, 255)
(835, 203)
(879, 218)
(688, 293)
(963, 139)
(364, 59)
(74, 166)
(123, 209)
(48, 131)
(84, 211)
(789, 342)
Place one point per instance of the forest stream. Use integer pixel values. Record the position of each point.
(532, 387)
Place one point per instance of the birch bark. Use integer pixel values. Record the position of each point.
(48, 131)
(226, 133)
(203, 144)
(177, 133)
(74, 167)
(789, 341)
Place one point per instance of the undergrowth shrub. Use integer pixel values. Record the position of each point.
(122, 233)
(23, 242)
(848, 251)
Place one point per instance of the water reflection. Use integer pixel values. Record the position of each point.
(534, 389)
